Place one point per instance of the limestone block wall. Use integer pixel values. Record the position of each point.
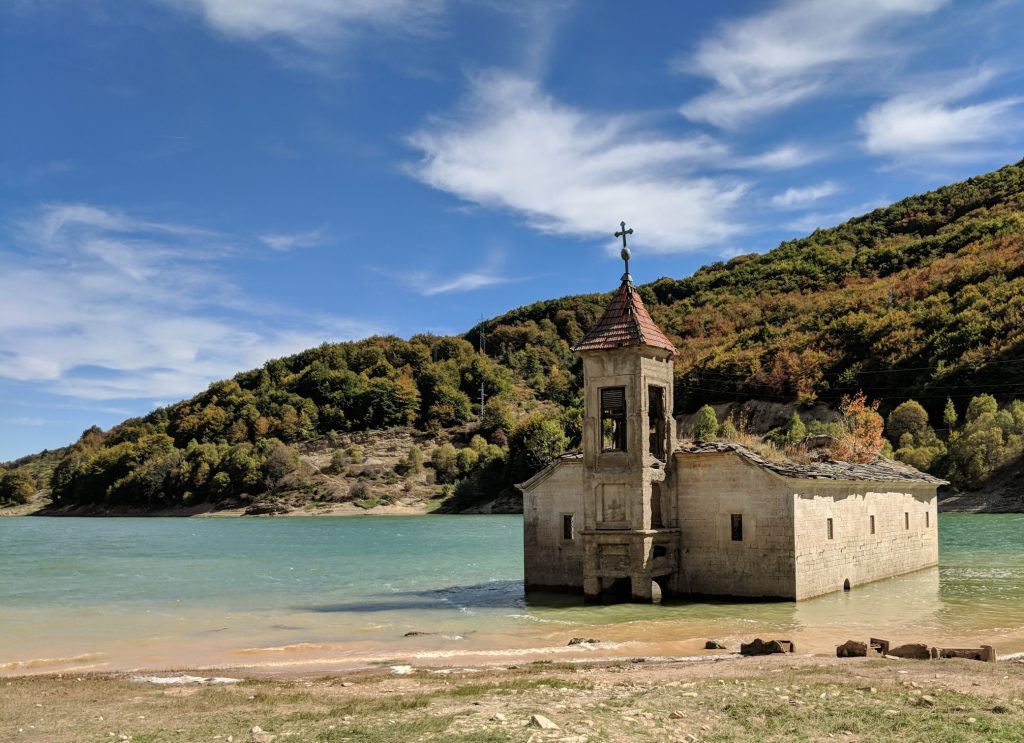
(709, 489)
(905, 539)
(550, 560)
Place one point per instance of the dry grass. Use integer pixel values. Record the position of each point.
(766, 699)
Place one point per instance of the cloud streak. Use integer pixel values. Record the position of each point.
(797, 197)
(568, 172)
(793, 51)
(102, 305)
(932, 122)
(313, 24)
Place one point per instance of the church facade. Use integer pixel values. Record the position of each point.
(634, 516)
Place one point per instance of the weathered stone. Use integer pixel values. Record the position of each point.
(879, 646)
(676, 715)
(912, 651)
(985, 653)
(771, 647)
(582, 641)
(259, 735)
(852, 649)
(540, 721)
(929, 700)
(713, 645)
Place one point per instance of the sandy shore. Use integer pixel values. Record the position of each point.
(790, 697)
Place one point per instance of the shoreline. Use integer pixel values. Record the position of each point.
(779, 697)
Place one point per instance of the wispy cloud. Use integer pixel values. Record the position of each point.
(794, 50)
(782, 157)
(797, 197)
(820, 220)
(295, 240)
(25, 421)
(511, 146)
(931, 122)
(313, 24)
(99, 304)
(428, 284)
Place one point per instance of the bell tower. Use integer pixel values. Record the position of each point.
(629, 542)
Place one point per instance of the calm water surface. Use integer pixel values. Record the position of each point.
(309, 592)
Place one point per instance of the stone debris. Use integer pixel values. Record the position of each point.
(771, 647)
(879, 646)
(677, 715)
(986, 653)
(542, 722)
(583, 641)
(713, 645)
(912, 651)
(852, 649)
(401, 670)
(259, 735)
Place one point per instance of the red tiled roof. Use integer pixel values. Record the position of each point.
(625, 322)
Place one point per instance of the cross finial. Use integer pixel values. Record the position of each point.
(625, 250)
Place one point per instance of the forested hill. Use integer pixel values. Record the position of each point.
(923, 299)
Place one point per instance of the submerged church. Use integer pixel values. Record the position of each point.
(634, 516)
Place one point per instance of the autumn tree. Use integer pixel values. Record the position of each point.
(860, 436)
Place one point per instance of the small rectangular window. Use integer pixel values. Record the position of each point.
(613, 419)
(567, 526)
(927, 520)
(906, 519)
(828, 527)
(656, 420)
(737, 527)
(872, 524)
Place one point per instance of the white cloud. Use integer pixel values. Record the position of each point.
(512, 147)
(310, 23)
(795, 50)
(294, 240)
(797, 197)
(930, 123)
(97, 304)
(26, 421)
(783, 157)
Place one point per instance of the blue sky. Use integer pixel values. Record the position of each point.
(191, 187)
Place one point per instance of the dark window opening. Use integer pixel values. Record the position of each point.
(906, 520)
(828, 527)
(737, 527)
(567, 526)
(660, 551)
(657, 521)
(872, 524)
(927, 520)
(656, 420)
(613, 419)
(846, 584)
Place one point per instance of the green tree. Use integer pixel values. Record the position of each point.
(443, 461)
(536, 442)
(705, 424)
(949, 417)
(908, 417)
(16, 486)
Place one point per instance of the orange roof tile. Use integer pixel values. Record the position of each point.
(625, 322)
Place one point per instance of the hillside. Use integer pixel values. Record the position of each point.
(921, 300)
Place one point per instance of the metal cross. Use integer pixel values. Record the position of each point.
(623, 233)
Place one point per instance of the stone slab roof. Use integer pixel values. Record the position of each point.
(625, 322)
(881, 470)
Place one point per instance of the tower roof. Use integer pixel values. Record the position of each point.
(625, 322)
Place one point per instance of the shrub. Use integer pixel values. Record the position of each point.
(907, 418)
(705, 425)
(860, 437)
(355, 454)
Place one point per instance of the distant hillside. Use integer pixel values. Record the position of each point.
(923, 299)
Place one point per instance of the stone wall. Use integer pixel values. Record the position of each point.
(709, 489)
(550, 560)
(853, 553)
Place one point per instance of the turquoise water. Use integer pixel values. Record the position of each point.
(122, 593)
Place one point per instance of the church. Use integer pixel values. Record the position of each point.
(634, 516)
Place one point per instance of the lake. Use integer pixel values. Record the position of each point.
(333, 592)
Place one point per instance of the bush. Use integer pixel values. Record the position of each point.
(359, 491)
(338, 461)
(536, 442)
(443, 460)
(355, 454)
(705, 425)
(16, 486)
